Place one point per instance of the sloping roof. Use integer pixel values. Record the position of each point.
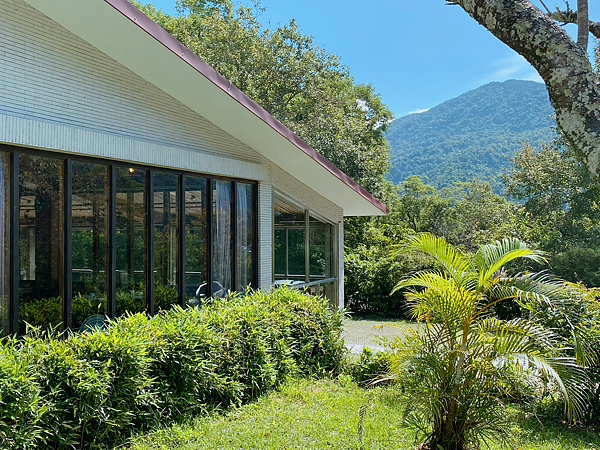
(125, 34)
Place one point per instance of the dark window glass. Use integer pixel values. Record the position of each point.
(290, 241)
(89, 221)
(244, 235)
(40, 241)
(165, 240)
(196, 287)
(221, 193)
(321, 250)
(4, 243)
(131, 229)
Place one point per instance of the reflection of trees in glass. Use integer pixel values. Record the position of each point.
(290, 234)
(4, 259)
(89, 211)
(130, 243)
(195, 234)
(40, 239)
(165, 240)
(321, 249)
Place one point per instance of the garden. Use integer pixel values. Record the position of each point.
(269, 370)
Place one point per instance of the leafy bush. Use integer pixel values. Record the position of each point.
(92, 389)
(368, 366)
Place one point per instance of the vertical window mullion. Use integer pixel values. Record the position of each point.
(67, 251)
(149, 238)
(111, 248)
(14, 261)
(181, 239)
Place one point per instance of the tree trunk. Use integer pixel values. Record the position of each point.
(583, 24)
(564, 66)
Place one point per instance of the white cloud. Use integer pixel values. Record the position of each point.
(419, 111)
(513, 67)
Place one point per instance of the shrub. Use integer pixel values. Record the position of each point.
(94, 389)
(368, 366)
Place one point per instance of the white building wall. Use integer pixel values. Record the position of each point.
(59, 93)
(49, 75)
(265, 234)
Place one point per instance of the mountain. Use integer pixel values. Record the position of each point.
(472, 135)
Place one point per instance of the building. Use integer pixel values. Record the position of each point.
(133, 176)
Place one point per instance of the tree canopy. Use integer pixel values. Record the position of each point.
(563, 64)
(304, 86)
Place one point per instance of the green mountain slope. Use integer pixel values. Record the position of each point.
(472, 135)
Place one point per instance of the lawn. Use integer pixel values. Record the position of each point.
(325, 415)
(361, 332)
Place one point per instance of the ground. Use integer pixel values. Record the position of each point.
(359, 333)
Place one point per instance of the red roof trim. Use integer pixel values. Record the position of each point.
(162, 36)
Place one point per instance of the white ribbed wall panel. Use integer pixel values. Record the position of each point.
(265, 234)
(50, 75)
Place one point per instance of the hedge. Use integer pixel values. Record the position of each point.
(93, 390)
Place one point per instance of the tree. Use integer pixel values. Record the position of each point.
(458, 367)
(301, 84)
(564, 66)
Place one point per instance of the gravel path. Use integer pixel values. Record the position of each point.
(364, 333)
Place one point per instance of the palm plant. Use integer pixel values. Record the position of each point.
(463, 364)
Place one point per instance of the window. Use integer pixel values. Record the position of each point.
(89, 208)
(4, 248)
(196, 274)
(40, 241)
(166, 249)
(130, 240)
(95, 238)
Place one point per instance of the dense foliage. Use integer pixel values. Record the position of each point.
(96, 388)
(471, 135)
(462, 365)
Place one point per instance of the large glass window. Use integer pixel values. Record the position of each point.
(321, 249)
(221, 194)
(196, 276)
(131, 240)
(244, 236)
(4, 259)
(290, 241)
(40, 241)
(81, 249)
(89, 207)
(165, 240)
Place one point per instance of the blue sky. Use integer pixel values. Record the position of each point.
(416, 53)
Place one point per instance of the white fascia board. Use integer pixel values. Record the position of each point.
(110, 31)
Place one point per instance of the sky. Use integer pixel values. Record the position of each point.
(416, 53)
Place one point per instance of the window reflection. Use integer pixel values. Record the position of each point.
(40, 241)
(221, 193)
(290, 241)
(165, 241)
(131, 228)
(89, 230)
(4, 243)
(195, 240)
(321, 249)
(244, 236)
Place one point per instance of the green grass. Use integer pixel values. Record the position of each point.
(325, 415)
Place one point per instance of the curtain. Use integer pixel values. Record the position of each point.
(222, 237)
(244, 236)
